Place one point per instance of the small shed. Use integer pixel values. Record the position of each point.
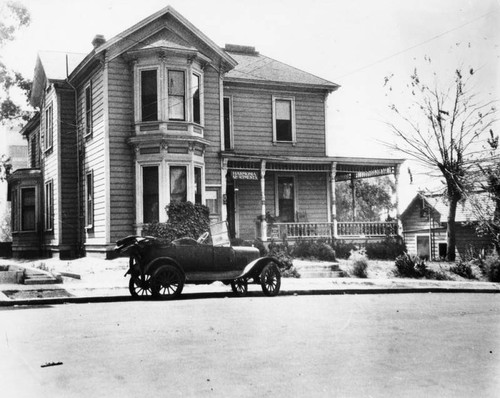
(424, 224)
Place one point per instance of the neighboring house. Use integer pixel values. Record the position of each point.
(425, 221)
(160, 113)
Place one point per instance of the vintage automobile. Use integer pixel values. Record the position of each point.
(161, 270)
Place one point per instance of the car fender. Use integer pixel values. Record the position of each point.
(157, 262)
(256, 266)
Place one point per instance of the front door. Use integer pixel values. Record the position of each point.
(230, 206)
(423, 246)
(286, 199)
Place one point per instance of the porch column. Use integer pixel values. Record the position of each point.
(224, 190)
(353, 196)
(397, 169)
(333, 174)
(263, 224)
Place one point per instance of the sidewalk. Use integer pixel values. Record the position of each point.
(94, 280)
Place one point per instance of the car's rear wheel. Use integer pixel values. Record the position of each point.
(167, 282)
(270, 280)
(240, 287)
(139, 285)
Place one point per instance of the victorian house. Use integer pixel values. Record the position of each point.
(160, 113)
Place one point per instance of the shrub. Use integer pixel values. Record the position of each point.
(410, 266)
(185, 219)
(359, 265)
(281, 252)
(343, 249)
(463, 269)
(388, 249)
(491, 267)
(319, 250)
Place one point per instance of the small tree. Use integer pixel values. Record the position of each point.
(442, 131)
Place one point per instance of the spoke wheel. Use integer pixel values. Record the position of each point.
(270, 280)
(167, 282)
(240, 287)
(139, 286)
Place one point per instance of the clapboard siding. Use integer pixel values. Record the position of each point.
(253, 122)
(212, 130)
(121, 118)
(312, 192)
(68, 175)
(94, 155)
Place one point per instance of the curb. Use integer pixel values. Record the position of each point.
(202, 295)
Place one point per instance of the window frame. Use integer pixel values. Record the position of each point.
(295, 194)
(89, 200)
(48, 216)
(158, 167)
(292, 119)
(138, 92)
(229, 99)
(169, 96)
(49, 127)
(88, 119)
(195, 74)
(22, 208)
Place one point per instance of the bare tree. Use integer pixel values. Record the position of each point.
(443, 130)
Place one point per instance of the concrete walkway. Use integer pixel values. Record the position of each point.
(93, 280)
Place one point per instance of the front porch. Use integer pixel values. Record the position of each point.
(307, 208)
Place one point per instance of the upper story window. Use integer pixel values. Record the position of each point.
(228, 124)
(283, 119)
(149, 95)
(176, 95)
(49, 128)
(195, 97)
(88, 109)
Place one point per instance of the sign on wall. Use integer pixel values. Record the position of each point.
(244, 175)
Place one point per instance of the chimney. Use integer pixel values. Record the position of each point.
(98, 41)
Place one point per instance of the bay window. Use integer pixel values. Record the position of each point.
(195, 97)
(178, 184)
(176, 95)
(149, 95)
(150, 194)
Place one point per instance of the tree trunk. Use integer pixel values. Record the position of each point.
(450, 230)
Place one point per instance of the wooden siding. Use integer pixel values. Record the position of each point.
(122, 170)
(212, 130)
(68, 166)
(253, 122)
(34, 152)
(50, 165)
(93, 156)
(312, 192)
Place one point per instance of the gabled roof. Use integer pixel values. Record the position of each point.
(477, 206)
(257, 68)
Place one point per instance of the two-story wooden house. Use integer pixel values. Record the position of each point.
(160, 113)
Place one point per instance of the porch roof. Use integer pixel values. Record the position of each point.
(346, 167)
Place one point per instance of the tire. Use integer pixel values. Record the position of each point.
(240, 287)
(139, 286)
(167, 282)
(270, 280)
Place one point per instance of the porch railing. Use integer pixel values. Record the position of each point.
(326, 229)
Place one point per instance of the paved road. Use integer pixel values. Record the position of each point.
(432, 345)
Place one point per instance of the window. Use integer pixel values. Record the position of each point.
(28, 209)
(150, 194)
(49, 133)
(149, 95)
(286, 199)
(212, 201)
(195, 97)
(88, 109)
(423, 246)
(176, 95)
(178, 185)
(197, 185)
(89, 200)
(33, 151)
(228, 116)
(49, 206)
(284, 119)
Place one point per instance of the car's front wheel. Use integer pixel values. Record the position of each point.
(167, 282)
(139, 285)
(270, 280)
(240, 287)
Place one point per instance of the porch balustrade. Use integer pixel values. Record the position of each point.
(326, 229)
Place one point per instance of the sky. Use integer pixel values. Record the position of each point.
(355, 44)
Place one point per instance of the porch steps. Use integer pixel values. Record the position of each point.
(39, 277)
(308, 269)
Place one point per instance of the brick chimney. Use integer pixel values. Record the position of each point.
(98, 41)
